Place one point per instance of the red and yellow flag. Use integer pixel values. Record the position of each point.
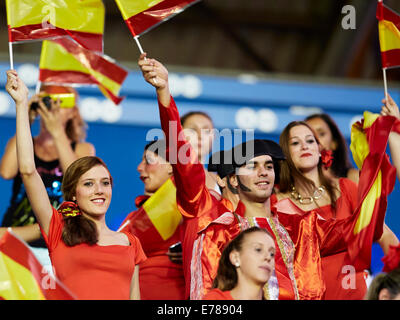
(157, 219)
(63, 61)
(377, 179)
(22, 277)
(143, 15)
(389, 35)
(83, 20)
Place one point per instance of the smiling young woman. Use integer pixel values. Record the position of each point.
(93, 261)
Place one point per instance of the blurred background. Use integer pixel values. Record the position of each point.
(253, 65)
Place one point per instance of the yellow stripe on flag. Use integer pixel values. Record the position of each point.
(77, 15)
(55, 57)
(359, 145)
(368, 205)
(131, 8)
(17, 282)
(162, 210)
(389, 36)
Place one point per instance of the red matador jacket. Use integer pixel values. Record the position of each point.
(197, 204)
(159, 278)
(212, 240)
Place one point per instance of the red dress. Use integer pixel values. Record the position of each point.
(196, 203)
(335, 269)
(216, 294)
(160, 279)
(93, 272)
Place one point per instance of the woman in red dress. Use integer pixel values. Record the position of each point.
(304, 189)
(93, 261)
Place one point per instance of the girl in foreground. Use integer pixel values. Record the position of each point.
(93, 261)
(245, 266)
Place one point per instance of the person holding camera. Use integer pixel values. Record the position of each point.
(60, 141)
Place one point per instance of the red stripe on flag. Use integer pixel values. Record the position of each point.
(65, 76)
(94, 61)
(385, 13)
(151, 17)
(390, 58)
(141, 226)
(20, 253)
(90, 41)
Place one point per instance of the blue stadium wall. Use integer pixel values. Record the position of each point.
(263, 106)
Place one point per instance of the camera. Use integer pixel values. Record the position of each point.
(46, 100)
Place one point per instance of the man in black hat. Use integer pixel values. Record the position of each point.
(255, 167)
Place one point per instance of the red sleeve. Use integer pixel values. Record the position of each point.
(55, 230)
(192, 195)
(137, 246)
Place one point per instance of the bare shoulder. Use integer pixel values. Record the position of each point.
(354, 175)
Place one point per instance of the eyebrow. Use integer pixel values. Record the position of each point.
(309, 135)
(254, 162)
(92, 179)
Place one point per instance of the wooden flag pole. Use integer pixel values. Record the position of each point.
(10, 50)
(385, 84)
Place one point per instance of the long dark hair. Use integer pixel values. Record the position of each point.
(195, 113)
(341, 160)
(78, 229)
(227, 277)
(289, 173)
(389, 281)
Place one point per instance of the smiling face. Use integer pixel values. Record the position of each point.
(198, 130)
(256, 258)
(93, 191)
(255, 179)
(154, 171)
(303, 148)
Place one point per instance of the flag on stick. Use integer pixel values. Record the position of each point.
(22, 277)
(63, 61)
(158, 218)
(389, 35)
(377, 179)
(142, 15)
(83, 20)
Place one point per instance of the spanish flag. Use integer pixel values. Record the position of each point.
(142, 15)
(157, 219)
(63, 61)
(22, 277)
(389, 35)
(377, 179)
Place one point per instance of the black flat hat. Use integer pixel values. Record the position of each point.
(243, 153)
(221, 163)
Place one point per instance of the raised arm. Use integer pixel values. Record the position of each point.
(192, 194)
(390, 108)
(33, 183)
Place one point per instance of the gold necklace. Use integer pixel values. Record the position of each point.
(318, 193)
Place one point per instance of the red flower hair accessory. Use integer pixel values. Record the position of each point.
(392, 259)
(326, 158)
(69, 209)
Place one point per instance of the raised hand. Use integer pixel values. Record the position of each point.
(157, 75)
(153, 72)
(390, 108)
(16, 87)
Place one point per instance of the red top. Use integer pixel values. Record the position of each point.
(159, 277)
(216, 294)
(93, 272)
(196, 203)
(329, 253)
